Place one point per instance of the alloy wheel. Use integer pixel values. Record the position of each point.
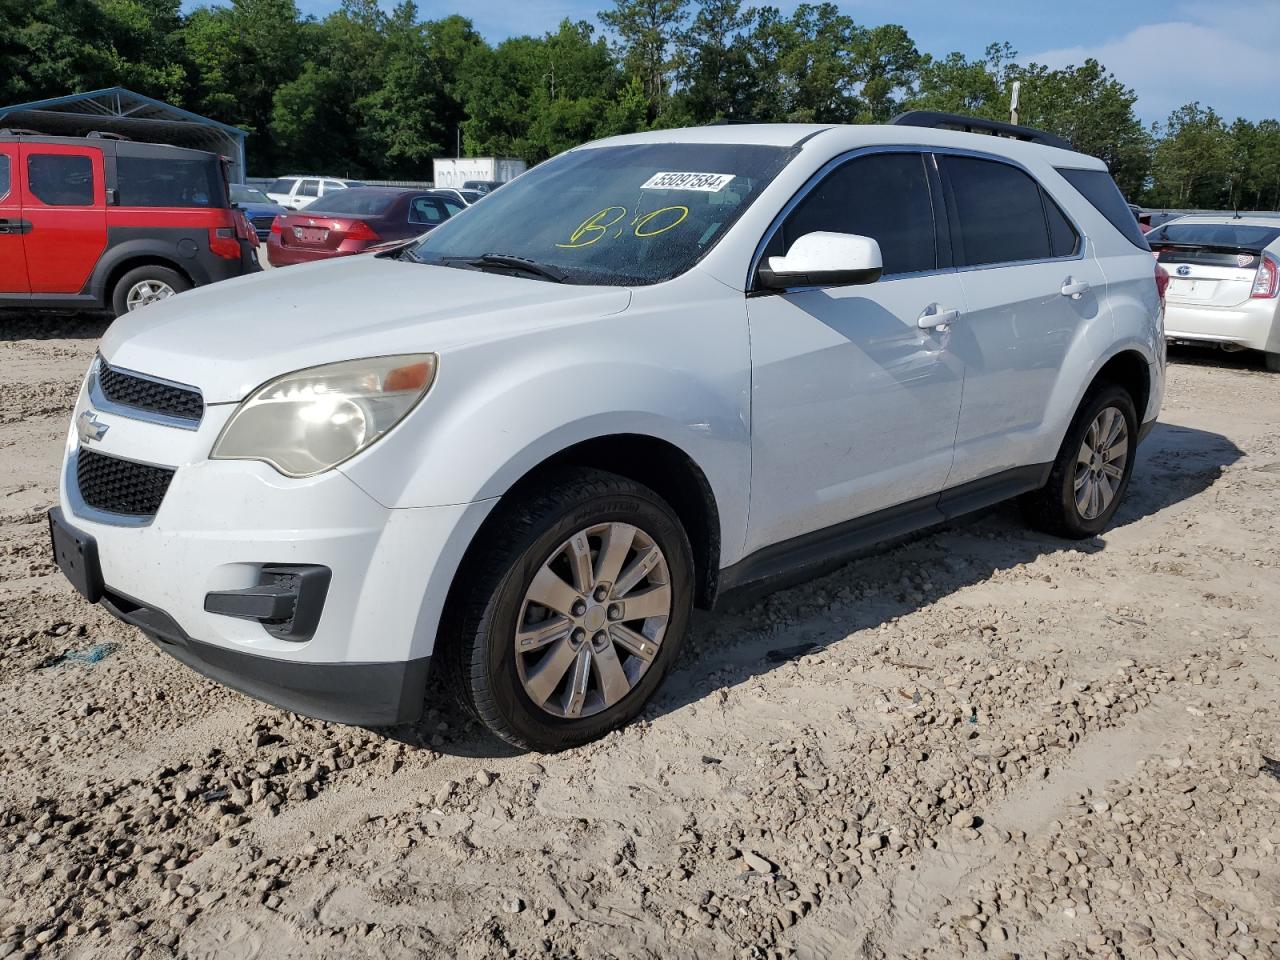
(592, 620)
(147, 291)
(1100, 463)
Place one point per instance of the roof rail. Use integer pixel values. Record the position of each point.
(104, 135)
(956, 121)
(20, 132)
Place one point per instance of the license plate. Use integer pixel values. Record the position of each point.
(76, 555)
(311, 234)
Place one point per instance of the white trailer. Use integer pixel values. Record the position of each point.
(455, 172)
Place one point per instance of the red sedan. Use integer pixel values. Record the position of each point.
(351, 221)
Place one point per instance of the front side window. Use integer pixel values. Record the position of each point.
(1000, 213)
(5, 176)
(617, 215)
(168, 182)
(882, 196)
(58, 180)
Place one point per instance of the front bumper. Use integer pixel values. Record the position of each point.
(1252, 324)
(364, 694)
(220, 523)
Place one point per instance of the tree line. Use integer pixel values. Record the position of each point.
(364, 92)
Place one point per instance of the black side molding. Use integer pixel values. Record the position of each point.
(812, 554)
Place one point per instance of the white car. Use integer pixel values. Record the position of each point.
(296, 191)
(654, 370)
(1224, 287)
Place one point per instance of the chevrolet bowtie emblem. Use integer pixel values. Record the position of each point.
(89, 427)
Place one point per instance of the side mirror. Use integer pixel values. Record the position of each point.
(824, 260)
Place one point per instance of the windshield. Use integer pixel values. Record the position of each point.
(1248, 236)
(356, 201)
(247, 195)
(621, 215)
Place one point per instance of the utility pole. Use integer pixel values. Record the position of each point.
(457, 148)
(1013, 102)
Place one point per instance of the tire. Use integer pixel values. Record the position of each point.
(1272, 360)
(537, 536)
(159, 277)
(1054, 508)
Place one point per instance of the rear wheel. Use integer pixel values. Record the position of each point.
(1092, 470)
(146, 285)
(566, 623)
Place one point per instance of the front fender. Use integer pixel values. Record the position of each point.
(500, 409)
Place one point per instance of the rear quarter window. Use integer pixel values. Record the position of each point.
(168, 182)
(1101, 191)
(6, 177)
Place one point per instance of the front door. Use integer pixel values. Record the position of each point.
(63, 202)
(854, 403)
(13, 262)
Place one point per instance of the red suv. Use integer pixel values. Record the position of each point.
(100, 223)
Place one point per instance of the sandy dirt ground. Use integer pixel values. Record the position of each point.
(982, 742)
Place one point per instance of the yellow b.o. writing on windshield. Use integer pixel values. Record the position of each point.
(642, 222)
(595, 225)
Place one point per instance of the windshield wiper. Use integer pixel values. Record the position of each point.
(505, 261)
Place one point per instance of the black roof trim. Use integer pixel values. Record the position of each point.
(954, 121)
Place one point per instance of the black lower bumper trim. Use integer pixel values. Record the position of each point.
(362, 694)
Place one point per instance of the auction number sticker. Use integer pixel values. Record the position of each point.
(702, 182)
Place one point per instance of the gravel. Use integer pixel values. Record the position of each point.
(983, 742)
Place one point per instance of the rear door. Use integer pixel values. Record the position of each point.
(13, 261)
(1030, 288)
(63, 201)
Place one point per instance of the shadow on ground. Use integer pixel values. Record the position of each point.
(1173, 465)
(24, 325)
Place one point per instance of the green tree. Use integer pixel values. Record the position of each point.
(241, 54)
(1191, 166)
(886, 64)
(717, 76)
(646, 35)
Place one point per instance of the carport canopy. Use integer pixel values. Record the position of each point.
(133, 115)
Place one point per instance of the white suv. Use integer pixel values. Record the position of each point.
(298, 190)
(653, 370)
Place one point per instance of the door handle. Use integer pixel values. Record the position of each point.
(15, 226)
(1074, 289)
(935, 317)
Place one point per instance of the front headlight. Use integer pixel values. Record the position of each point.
(310, 421)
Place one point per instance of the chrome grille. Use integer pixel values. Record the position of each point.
(142, 393)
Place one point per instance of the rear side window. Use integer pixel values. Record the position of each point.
(58, 180)
(168, 182)
(1101, 191)
(283, 185)
(428, 210)
(309, 188)
(5, 176)
(999, 213)
(883, 196)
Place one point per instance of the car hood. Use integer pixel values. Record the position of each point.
(230, 337)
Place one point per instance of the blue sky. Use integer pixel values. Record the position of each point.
(1169, 51)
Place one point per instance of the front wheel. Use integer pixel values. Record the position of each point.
(564, 625)
(1092, 470)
